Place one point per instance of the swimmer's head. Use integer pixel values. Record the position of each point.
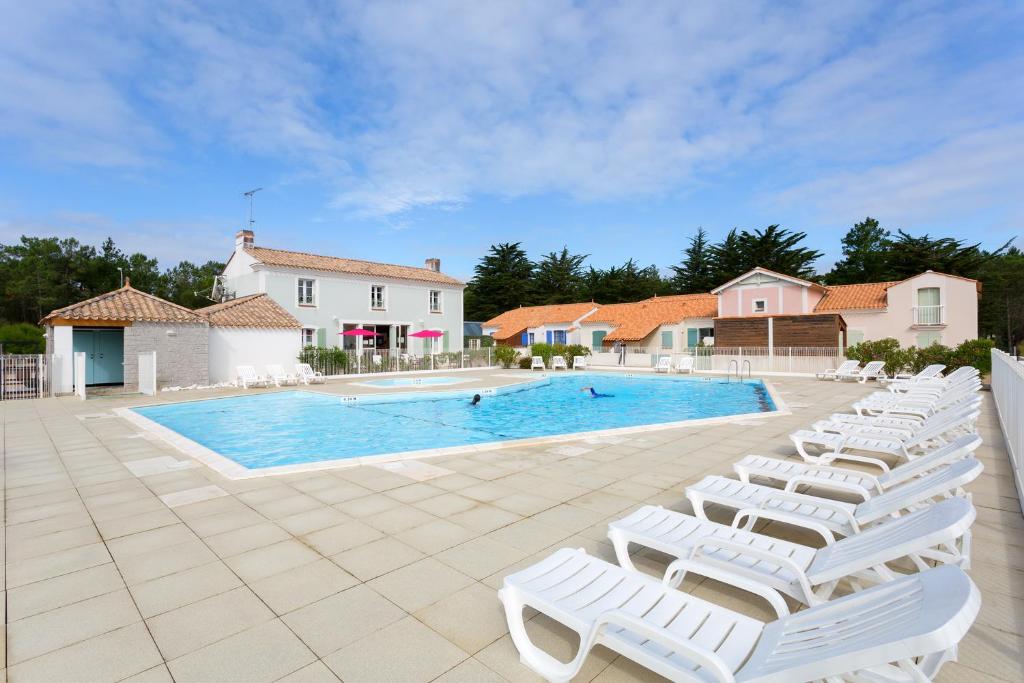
(476, 399)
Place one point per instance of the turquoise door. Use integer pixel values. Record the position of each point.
(104, 354)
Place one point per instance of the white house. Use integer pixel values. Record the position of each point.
(330, 295)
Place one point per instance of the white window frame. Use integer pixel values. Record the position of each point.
(531, 338)
(556, 333)
(430, 301)
(764, 305)
(314, 292)
(312, 336)
(383, 298)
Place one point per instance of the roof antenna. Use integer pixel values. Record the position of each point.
(250, 194)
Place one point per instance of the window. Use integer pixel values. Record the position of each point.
(558, 337)
(926, 339)
(854, 337)
(377, 302)
(435, 301)
(308, 336)
(306, 292)
(474, 344)
(706, 333)
(760, 305)
(530, 337)
(929, 310)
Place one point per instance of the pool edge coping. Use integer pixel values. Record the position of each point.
(234, 471)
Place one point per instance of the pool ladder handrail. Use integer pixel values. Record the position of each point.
(739, 370)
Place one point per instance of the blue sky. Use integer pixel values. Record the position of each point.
(397, 132)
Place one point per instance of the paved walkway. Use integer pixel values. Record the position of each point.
(124, 561)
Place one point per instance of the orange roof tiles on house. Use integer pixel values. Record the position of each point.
(634, 321)
(253, 311)
(126, 304)
(333, 264)
(863, 296)
(511, 323)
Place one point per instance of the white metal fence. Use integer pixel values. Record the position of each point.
(24, 376)
(1008, 392)
(781, 360)
(335, 361)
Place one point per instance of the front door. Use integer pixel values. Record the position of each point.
(104, 354)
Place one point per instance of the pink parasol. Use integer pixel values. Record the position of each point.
(360, 332)
(427, 334)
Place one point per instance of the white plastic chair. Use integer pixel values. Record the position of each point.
(807, 574)
(279, 377)
(307, 375)
(846, 366)
(579, 362)
(537, 363)
(558, 363)
(247, 377)
(664, 364)
(901, 630)
(930, 372)
(754, 502)
(685, 364)
(789, 470)
(873, 370)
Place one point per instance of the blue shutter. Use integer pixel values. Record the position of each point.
(548, 335)
(525, 341)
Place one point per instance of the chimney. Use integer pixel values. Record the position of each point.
(433, 264)
(243, 239)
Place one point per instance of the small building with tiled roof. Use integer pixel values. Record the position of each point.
(331, 295)
(255, 311)
(663, 324)
(530, 324)
(111, 330)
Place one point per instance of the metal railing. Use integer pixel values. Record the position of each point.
(1008, 392)
(796, 360)
(24, 376)
(336, 361)
(929, 315)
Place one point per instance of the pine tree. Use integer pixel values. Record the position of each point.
(695, 275)
(503, 280)
(558, 278)
(866, 254)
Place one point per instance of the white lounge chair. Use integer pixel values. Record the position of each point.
(845, 367)
(804, 573)
(685, 364)
(961, 375)
(664, 364)
(881, 440)
(307, 375)
(279, 377)
(904, 427)
(930, 372)
(754, 502)
(902, 630)
(579, 362)
(873, 370)
(915, 404)
(537, 363)
(247, 377)
(558, 363)
(792, 470)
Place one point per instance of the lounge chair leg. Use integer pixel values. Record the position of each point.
(530, 655)
(621, 546)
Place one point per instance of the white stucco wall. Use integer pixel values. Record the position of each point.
(59, 343)
(233, 346)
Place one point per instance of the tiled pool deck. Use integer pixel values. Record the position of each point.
(120, 565)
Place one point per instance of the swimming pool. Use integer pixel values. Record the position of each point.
(413, 382)
(272, 430)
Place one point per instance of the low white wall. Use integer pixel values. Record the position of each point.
(234, 346)
(63, 376)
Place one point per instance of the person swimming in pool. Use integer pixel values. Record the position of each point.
(596, 394)
(476, 400)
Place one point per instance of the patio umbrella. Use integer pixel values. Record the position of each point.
(360, 332)
(428, 334)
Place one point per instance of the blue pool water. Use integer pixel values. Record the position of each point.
(283, 428)
(412, 381)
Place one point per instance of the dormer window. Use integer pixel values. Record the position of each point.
(760, 305)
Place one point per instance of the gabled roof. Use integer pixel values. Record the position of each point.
(253, 311)
(634, 321)
(765, 271)
(333, 264)
(511, 323)
(863, 296)
(126, 304)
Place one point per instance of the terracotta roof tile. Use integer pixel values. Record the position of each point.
(511, 323)
(333, 264)
(126, 305)
(253, 311)
(634, 321)
(863, 296)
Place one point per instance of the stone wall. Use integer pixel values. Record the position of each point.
(182, 359)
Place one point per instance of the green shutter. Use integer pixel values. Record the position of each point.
(597, 339)
(666, 340)
(444, 346)
(692, 337)
(321, 337)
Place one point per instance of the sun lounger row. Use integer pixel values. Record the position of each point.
(897, 624)
(276, 375)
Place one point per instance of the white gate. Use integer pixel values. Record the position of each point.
(147, 373)
(24, 376)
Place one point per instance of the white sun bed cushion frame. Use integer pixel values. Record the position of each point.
(308, 375)
(249, 378)
(901, 630)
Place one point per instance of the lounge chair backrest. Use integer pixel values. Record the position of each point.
(955, 421)
(930, 371)
(247, 372)
(916, 491)
(305, 370)
(686, 362)
(873, 367)
(913, 616)
(960, 447)
(847, 366)
(926, 528)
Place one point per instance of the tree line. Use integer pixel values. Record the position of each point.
(507, 278)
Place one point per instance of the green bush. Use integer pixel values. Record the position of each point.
(974, 352)
(330, 360)
(22, 338)
(934, 354)
(888, 350)
(524, 363)
(566, 351)
(543, 350)
(506, 356)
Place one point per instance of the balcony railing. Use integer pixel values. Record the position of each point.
(929, 315)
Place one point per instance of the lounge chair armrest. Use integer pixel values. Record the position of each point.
(706, 658)
(712, 542)
(866, 459)
(801, 499)
(817, 471)
(754, 514)
(827, 484)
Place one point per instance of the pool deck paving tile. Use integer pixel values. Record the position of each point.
(126, 560)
